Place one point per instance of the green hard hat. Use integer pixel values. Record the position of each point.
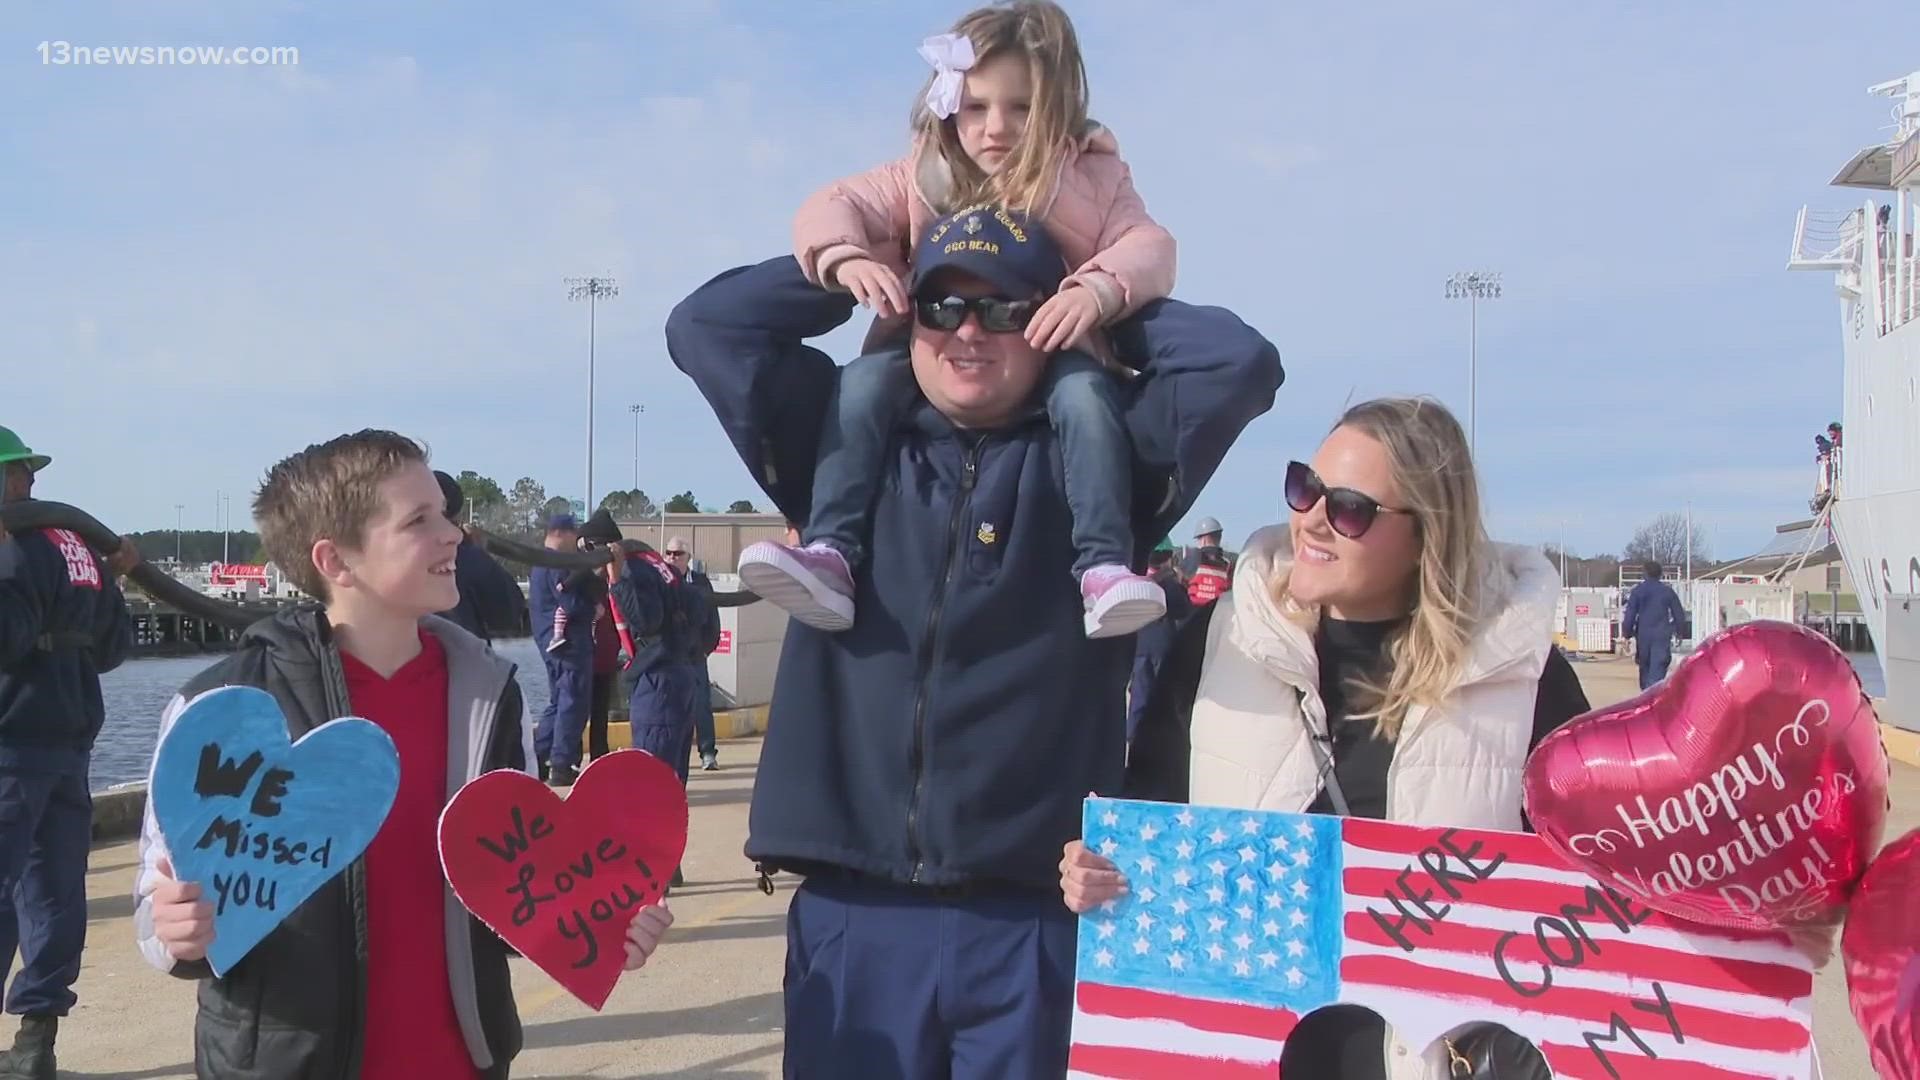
(12, 449)
(1165, 544)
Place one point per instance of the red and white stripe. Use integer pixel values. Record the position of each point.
(1743, 1000)
(1125, 1034)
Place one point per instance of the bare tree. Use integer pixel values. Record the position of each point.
(1665, 539)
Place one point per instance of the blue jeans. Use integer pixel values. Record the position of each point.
(46, 828)
(1083, 403)
(703, 731)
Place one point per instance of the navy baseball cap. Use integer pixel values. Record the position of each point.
(563, 523)
(1005, 248)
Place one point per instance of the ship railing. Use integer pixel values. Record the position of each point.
(1827, 239)
(1895, 267)
(1826, 480)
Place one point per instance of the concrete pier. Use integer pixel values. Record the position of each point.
(707, 1008)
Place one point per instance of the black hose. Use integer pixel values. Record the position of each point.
(29, 514)
(501, 547)
(531, 555)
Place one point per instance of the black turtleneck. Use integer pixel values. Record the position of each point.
(1360, 760)
(1347, 650)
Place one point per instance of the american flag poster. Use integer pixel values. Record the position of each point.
(1239, 923)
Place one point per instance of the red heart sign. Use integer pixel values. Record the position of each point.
(1881, 946)
(560, 881)
(1747, 790)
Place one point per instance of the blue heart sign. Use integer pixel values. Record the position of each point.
(258, 822)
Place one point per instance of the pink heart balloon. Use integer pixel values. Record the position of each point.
(1749, 789)
(1881, 946)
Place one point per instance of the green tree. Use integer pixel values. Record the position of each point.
(741, 506)
(683, 503)
(482, 493)
(524, 503)
(200, 546)
(629, 505)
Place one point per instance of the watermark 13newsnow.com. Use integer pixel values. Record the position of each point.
(67, 54)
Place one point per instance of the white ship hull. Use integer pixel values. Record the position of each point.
(1876, 514)
(1875, 505)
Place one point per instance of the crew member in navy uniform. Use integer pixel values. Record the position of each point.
(563, 723)
(662, 613)
(704, 639)
(1653, 618)
(63, 621)
(924, 767)
(490, 601)
(1155, 640)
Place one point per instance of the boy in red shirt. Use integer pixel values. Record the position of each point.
(381, 973)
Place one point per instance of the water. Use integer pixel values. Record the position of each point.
(139, 690)
(1875, 680)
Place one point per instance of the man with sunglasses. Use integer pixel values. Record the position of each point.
(705, 638)
(924, 766)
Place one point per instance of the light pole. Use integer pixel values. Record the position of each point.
(226, 529)
(591, 289)
(179, 522)
(1473, 286)
(636, 410)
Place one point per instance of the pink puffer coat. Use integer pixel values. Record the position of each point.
(1099, 221)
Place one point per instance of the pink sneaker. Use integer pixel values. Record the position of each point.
(1119, 601)
(812, 583)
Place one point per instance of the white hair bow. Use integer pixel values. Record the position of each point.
(951, 56)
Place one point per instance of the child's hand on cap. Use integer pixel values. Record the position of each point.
(644, 932)
(1064, 320)
(873, 285)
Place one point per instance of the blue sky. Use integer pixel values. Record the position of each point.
(210, 267)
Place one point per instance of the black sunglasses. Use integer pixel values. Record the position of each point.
(1350, 512)
(997, 315)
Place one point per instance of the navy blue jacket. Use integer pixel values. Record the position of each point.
(652, 604)
(1155, 640)
(952, 733)
(490, 600)
(703, 618)
(1653, 613)
(63, 621)
(580, 596)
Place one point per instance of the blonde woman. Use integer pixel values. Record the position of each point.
(1378, 657)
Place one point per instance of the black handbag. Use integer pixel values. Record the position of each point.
(1491, 1052)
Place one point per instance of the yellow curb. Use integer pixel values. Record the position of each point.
(727, 724)
(1902, 745)
(740, 723)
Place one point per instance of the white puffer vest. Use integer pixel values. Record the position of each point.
(1456, 763)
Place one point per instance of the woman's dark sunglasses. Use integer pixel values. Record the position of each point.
(1349, 512)
(997, 316)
